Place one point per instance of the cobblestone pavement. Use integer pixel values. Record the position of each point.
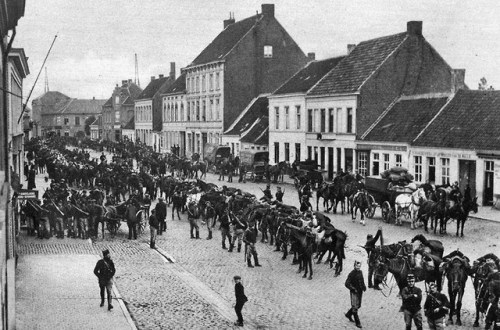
(197, 290)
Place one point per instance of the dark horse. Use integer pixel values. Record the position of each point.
(456, 268)
(361, 201)
(303, 244)
(336, 246)
(327, 192)
(480, 271)
(461, 213)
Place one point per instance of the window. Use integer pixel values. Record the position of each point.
(277, 117)
(217, 109)
(217, 81)
(197, 84)
(339, 119)
(331, 116)
(445, 171)
(399, 160)
(323, 120)
(117, 116)
(204, 111)
(197, 110)
(297, 151)
(349, 120)
(297, 110)
(211, 110)
(77, 121)
(117, 99)
(376, 164)
(203, 83)
(362, 163)
(276, 152)
(268, 51)
(418, 168)
(310, 120)
(58, 120)
(66, 121)
(287, 118)
(287, 151)
(386, 162)
(431, 171)
(211, 82)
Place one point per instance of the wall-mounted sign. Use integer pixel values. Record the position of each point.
(25, 194)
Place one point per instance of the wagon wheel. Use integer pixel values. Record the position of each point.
(386, 210)
(370, 211)
(253, 177)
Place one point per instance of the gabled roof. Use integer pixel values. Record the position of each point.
(133, 90)
(130, 124)
(77, 106)
(350, 74)
(308, 76)
(179, 85)
(226, 40)
(259, 133)
(152, 88)
(406, 119)
(109, 103)
(253, 113)
(128, 101)
(471, 120)
(51, 98)
(97, 122)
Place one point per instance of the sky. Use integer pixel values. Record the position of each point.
(97, 40)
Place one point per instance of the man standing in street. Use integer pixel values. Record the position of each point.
(436, 307)
(241, 299)
(356, 285)
(279, 195)
(161, 215)
(131, 216)
(105, 270)
(250, 239)
(225, 223)
(412, 298)
(370, 247)
(153, 226)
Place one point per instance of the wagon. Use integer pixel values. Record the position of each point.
(254, 163)
(114, 215)
(383, 194)
(214, 153)
(315, 177)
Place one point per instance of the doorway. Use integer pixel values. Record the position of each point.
(330, 163)
(489, 171)
(467, 175)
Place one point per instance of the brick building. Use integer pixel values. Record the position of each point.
(248, 58)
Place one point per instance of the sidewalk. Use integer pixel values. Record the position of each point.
(61, 292)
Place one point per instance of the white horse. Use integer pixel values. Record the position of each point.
(417, 199)
(402, 207)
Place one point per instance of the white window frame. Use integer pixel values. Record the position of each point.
(445, 171)
(417, 168)
(268, 51)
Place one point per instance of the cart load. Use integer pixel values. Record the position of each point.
(214, 151)
(254, 164)
(397, 175)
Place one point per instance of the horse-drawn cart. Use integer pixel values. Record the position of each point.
(215, 153)
(254, 164)
(114, 215)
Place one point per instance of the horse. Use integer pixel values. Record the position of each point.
(418, 197)
(200, 166)
(326, 192)
(302, 243)
(440, 196)
(361, 200)
(461, 213)
(402, 205)
(455, 268)
(480, 271)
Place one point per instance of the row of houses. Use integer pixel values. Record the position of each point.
(390, 101)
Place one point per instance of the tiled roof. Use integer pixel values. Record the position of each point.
(359, 65)
(304, 79)
(128, 101)
(259, 133)
(130, 124)
(225, 41)
(152, 88)
(77, 106)
(109, 102)
(255, 112)
(51, 97)
(97, 122)
(406, 119)
(471, 120)
(134, 91)
(178, 86)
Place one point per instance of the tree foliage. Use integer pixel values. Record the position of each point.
(88, 121)
(483, 85)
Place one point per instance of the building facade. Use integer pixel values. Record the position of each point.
(174, 117)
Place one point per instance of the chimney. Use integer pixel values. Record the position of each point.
(152, 78)
(160, 76)
(311, 56)
(172, 70)
(350, 48)
(124, 82)
(93, 98)
(229, 21)
(268, 10)
(130, 81)
(414, 28)
(457, 79)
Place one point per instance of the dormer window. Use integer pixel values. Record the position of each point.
(117, 99)
(268, 51)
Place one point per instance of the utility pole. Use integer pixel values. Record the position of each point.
(46, 81)
(137, 72)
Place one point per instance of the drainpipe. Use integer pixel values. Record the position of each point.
(5, 58)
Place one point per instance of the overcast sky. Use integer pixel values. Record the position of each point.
(97, 39)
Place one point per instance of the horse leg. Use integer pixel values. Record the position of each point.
(309, 262)
(459, 307)
(452, 296)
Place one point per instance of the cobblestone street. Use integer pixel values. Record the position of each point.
(196, 290)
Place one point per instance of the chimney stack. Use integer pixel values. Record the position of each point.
(229, 21)
(414, 28)
(457, 79)
(350, 48)
(268, 10)
(172, 70)
(130, 81)
(124, 82)
(152, 78)
(160, 76)
(311, 56)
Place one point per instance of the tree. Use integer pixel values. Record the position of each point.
(88, 121)
(483, 85)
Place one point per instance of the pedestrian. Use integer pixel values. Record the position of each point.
(356, 285)
(239, 226)
(412, 298)
(279, 195)
(176, 204)
(131, 216)
(250, 238)
(161, 214)
(436, 307)
(153, 226)
(241, 299)
(305, 205)
(193, 214)
(225, 228)
(370, 247)
(31, 178)
(105, 270)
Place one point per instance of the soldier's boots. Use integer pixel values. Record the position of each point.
(197, 234)
(249, 263)
(257, 262)
(239, 247)
(209, 235)
(152, 244)
(356, 319)
(231, 247)
(192, 235)
(224, 245)
(349, 315)
(102, 302)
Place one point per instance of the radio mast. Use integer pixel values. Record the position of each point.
(46, 81)
(137, 72)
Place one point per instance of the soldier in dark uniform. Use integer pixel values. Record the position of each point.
(370, 247)
(105, 270)
(412, 298)
(356, 285)
(279, 195)
(224, 227)
(239, 227)
(250, 239)
(436, 307)
(161, 215)
(176, 203)
(305, 205)
(241, 299)
(268, 196)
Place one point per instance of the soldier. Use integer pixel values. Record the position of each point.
(268, 196)
(250, 238)
(176, 203)
(105, 270)
(241, 299)
(279, 195)
(161, 214)
(239, 227)
(131, 216)
(356, 285)
(193, 214)
(436, 307)
(305, 205)
(370, 247)
(224, 228)
(153, 226)
(412, 298)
